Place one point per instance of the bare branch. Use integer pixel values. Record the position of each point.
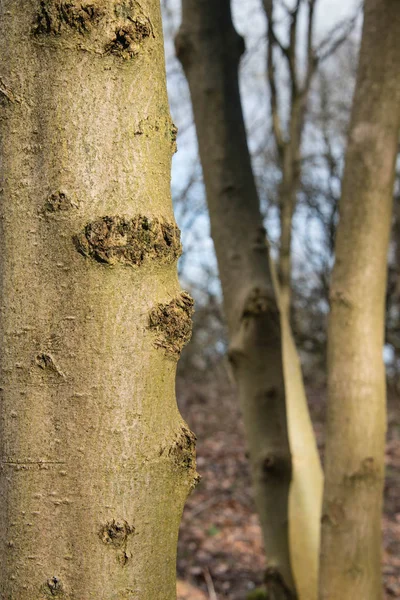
(276, 121)
(291, 55)
(269, 9)
(336, 37)
(311, 63)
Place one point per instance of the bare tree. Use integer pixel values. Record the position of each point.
(261, 349)
(288, 132)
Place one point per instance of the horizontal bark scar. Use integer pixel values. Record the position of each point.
(118, 28)
(116, 240)
(55, 16)
(161, 126)
(172, 324)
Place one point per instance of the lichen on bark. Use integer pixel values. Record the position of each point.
(172, 324)
(112, 240)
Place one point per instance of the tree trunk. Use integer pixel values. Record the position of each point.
(351, 524)
(96, 461)
(287, 204)
(210, 49)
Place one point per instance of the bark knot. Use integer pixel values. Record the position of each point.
(183, 453)
(128, 39)
(259, 302)
(367, 472)
(115, 534)
(277, 465)
(111, 27)
(174, 137)
(116, 240)
(334, 514)
(172, 324)
(46, 362)
(53, 588)
(59, 202)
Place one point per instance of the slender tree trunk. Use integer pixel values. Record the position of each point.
(95, 461)
(290, 157)
(351, 524)
(288, 138)
(210, 49)
(287, 204)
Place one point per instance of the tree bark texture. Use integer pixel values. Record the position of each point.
(96, 461)
(210, 49)
(356, 422)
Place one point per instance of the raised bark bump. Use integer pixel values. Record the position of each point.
(121, 28)
(182, 452)
(59, 201)
(115, 240)
(53, 17)
(53, 588)
(172, 324)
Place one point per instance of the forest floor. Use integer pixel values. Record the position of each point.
(220, 554)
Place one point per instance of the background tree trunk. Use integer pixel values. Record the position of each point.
(210, 49)
(288, 139)
(96, 461)
(351, 524)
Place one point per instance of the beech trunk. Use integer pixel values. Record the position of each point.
(96, 461)
(356, 421)
(210, 49)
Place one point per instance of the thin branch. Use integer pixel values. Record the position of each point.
(311, 62)
(291, 53)
(339, 34)
(269, 9)
(210, 585)
(276, 121)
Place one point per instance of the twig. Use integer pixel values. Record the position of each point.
(210, 585)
